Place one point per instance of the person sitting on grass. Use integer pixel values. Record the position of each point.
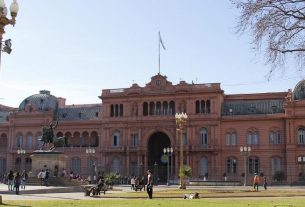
(191, 196)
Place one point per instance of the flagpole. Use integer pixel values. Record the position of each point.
(159, 51)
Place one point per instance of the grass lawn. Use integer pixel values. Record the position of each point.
(206, 202)
(209, 193)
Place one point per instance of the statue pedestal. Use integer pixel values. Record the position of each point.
(51, 160)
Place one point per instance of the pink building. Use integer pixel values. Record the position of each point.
(130, 128)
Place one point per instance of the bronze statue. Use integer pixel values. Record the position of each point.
(48, 137)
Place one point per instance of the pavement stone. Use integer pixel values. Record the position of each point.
(71, 193)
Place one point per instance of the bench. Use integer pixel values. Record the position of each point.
(95, 189)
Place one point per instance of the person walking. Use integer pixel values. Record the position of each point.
(10, 181)
(17, 182)
(24, 178)
(265, 182)
(255, 181)
(46, 177)
(132, 182)
(149, 187)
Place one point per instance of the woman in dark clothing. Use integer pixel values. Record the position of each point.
(17, 182)
(149, 187)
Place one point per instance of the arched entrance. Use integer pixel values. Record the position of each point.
(157, 142)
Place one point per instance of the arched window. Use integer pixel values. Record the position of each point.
(253, 138)
(231, 165)
(121, 110)
(111, 110)
(253, 165)
(29, 141)
(134, 139)
(203, 166)
(75, 141)
(158, 108)
(202, 107)
(116, 165)
(82, 141)
(38, 142)
(134, 169)
(116, 110)
(276, 165)
(231, 138)
(19, 140)
(68, 137)
(203, 137)
(165, 108)
(145, 109)
(116, 139)
(172, 110)
(76, 165)
(151, 108)
(94, 141)
(85, 139)
(208, 110)
(275, 137)
(197, 107)
(301, 136)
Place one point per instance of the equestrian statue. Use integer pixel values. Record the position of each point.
(49, 139)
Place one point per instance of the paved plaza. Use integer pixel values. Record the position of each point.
(74, 193)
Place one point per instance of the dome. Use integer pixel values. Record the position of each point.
(299, 91)
(43, 101)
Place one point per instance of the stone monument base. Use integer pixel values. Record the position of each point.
(51, 160)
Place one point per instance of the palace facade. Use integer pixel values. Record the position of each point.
(127, 132)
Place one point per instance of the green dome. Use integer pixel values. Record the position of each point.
(43, 101)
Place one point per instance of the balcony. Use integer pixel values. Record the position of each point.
(204, 148)
(115, 149)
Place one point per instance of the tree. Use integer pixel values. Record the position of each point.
(185, 171)
(278, 26)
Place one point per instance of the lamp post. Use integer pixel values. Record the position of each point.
(90, 151)
(245, 151)
(21, 152)
(5, 21)
(168, 151)
(181, 119)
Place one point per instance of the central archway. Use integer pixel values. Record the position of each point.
(157, 142)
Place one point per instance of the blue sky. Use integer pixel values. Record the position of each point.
(77, 48)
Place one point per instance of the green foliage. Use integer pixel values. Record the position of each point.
(186, 171)
(112, 178)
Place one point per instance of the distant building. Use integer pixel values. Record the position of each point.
(131, 126)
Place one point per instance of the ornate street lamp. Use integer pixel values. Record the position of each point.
(5, 21)
(245, 151)
(181, 119)
(91, 151)
(21, 152)
(168, 151)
